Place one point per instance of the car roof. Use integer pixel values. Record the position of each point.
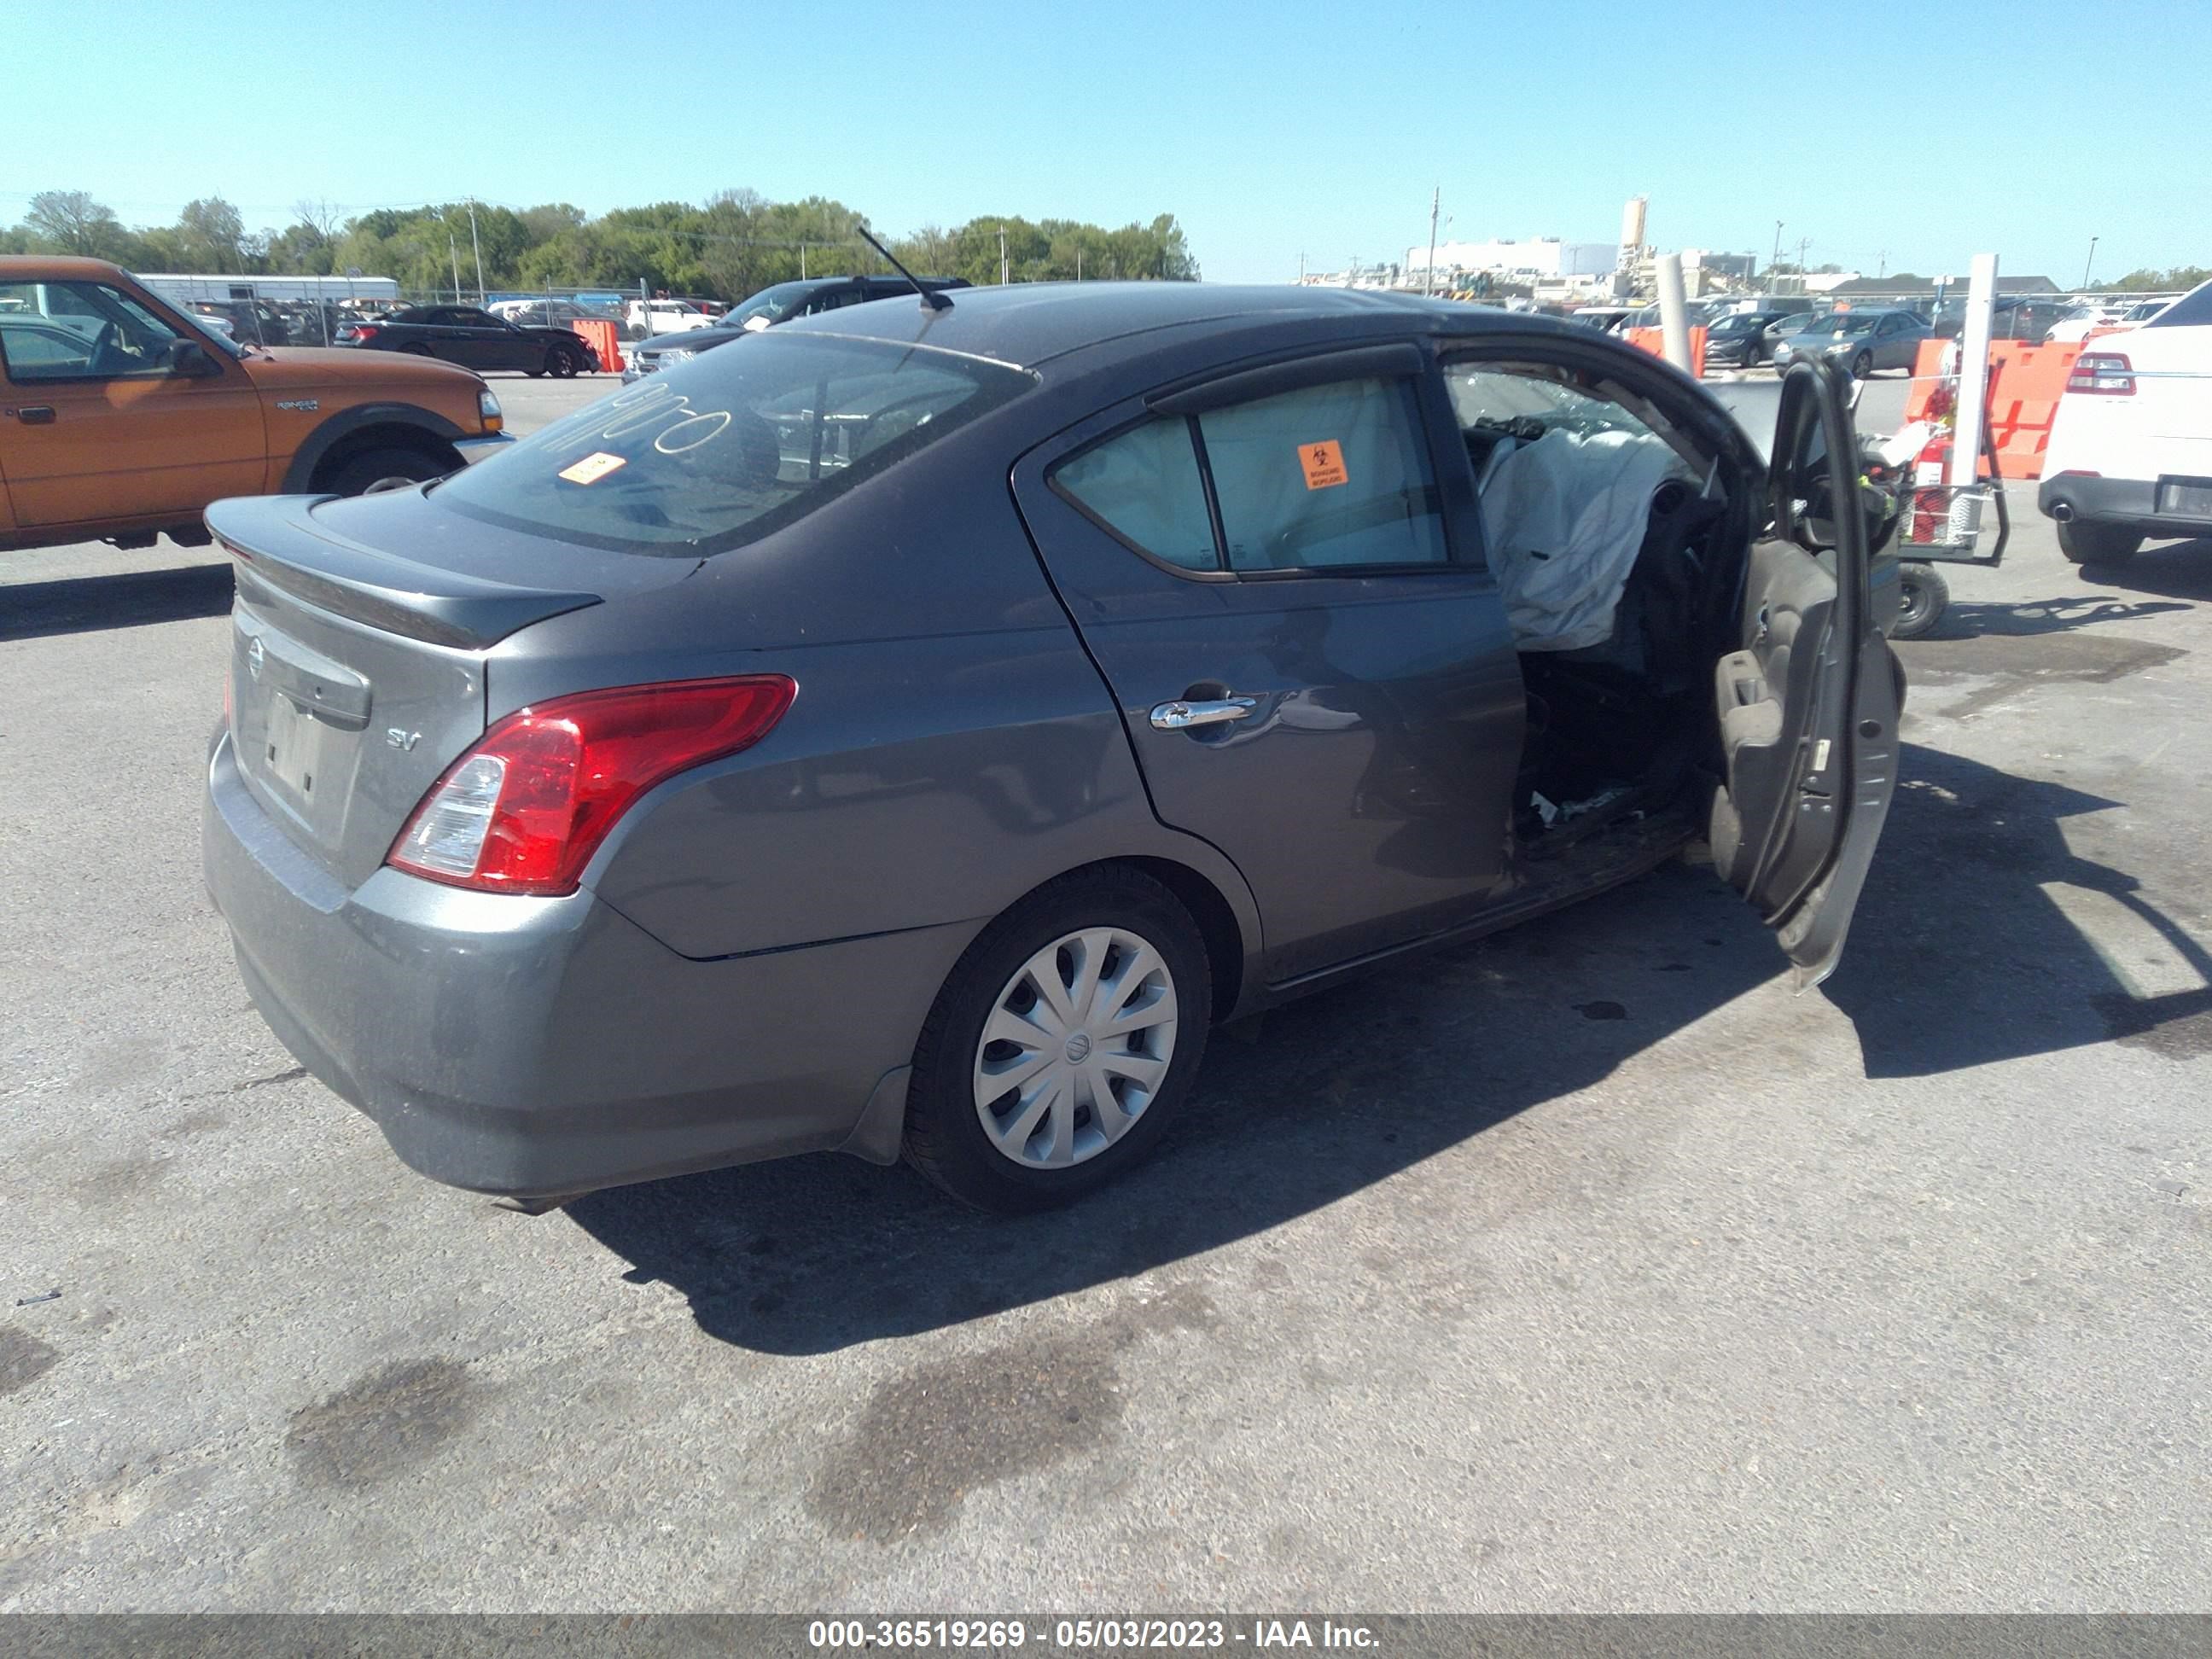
(1029, 324)
(32, 267)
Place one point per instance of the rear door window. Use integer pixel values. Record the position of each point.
(1144, 487)
(1324, 476)
(755, 440)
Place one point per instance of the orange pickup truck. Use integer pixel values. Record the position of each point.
(120, 420)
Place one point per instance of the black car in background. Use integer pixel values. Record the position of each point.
(1745, 339)
(771, 306)
(2011, 319)
(474, 339)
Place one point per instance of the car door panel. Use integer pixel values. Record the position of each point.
(1363, 791)
(1808, 703)
(134, 447)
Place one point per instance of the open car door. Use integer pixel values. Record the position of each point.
(1809, 701)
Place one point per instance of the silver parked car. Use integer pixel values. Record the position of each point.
(911, 732)
(1863, 342)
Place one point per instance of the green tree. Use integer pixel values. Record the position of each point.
(2180, 277)
(212, 235)
(71, 222)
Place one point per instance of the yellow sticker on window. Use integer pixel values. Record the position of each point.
(1323, 464)
(594, 467)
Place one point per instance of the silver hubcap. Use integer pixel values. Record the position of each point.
(1076, 1046)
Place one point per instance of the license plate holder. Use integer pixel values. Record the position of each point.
(2186, 498)
(297, 745)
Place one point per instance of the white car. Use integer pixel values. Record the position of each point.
(2077, 324)
(2130, 452)
(665, 316)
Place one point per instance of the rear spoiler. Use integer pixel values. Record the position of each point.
(275, 540)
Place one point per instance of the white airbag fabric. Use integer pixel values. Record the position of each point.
(1564, 517)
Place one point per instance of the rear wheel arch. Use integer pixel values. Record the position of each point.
(1226, 946)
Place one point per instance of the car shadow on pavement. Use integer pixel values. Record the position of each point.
(1963, 951)
(1957, 958)
(128, 599)
(2025, 618)
(2176, 570)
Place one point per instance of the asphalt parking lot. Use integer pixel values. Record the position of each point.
(1583, 1268)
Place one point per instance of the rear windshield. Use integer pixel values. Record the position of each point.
(733, 445)
(2192, 310)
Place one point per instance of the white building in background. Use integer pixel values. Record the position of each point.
(1541, 259)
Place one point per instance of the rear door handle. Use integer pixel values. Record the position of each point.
(1182, 714)
(36, 415)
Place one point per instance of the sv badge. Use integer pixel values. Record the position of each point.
(400, 738)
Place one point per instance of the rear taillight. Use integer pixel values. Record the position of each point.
(2105, 372)
(524, 811)
(360, 331)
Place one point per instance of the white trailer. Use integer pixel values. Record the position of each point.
(329, 290)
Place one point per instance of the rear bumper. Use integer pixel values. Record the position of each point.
(541, 1048)
(2131, 501)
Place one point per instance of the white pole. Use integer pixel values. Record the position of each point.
(476, 247)
(1974, 369)
(1674, 312)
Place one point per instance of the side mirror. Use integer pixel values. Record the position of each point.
(189, 360)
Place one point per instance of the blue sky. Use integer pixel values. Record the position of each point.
(1270, 130)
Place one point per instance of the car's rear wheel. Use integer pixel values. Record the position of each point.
(1926, 596)
(374, 470)
(1862, 365)
(418, 350)
(1062, 1045)
(2084, 542)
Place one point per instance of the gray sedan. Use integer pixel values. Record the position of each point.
(911, 733)
(1862, 341)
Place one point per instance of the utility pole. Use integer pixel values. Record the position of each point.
(1078, 262)
(1429, 277)
(453, 248)
(1881, 265)
(1002, 256)
(1776, 259)
(2088, 262)
(477, 247)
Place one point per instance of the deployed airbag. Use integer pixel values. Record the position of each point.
(1564, 518)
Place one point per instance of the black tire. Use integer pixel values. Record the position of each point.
(944, 1135)
(1862, 365)
(2087, 543)
(373, 471)
(562, 363)
(1926, 596)
(416, 349)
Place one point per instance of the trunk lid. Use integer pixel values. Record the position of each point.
(357, 673)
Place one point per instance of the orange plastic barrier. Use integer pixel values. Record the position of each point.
(2024, 395)
(1654, 341)
(603, 338)
(1927, 375)
(2026, 382)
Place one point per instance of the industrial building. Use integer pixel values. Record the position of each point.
(1540, 259)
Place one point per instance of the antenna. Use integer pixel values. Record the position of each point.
(932, 299)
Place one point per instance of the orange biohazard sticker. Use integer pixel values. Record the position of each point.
(1324, 465)
(594, 467)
